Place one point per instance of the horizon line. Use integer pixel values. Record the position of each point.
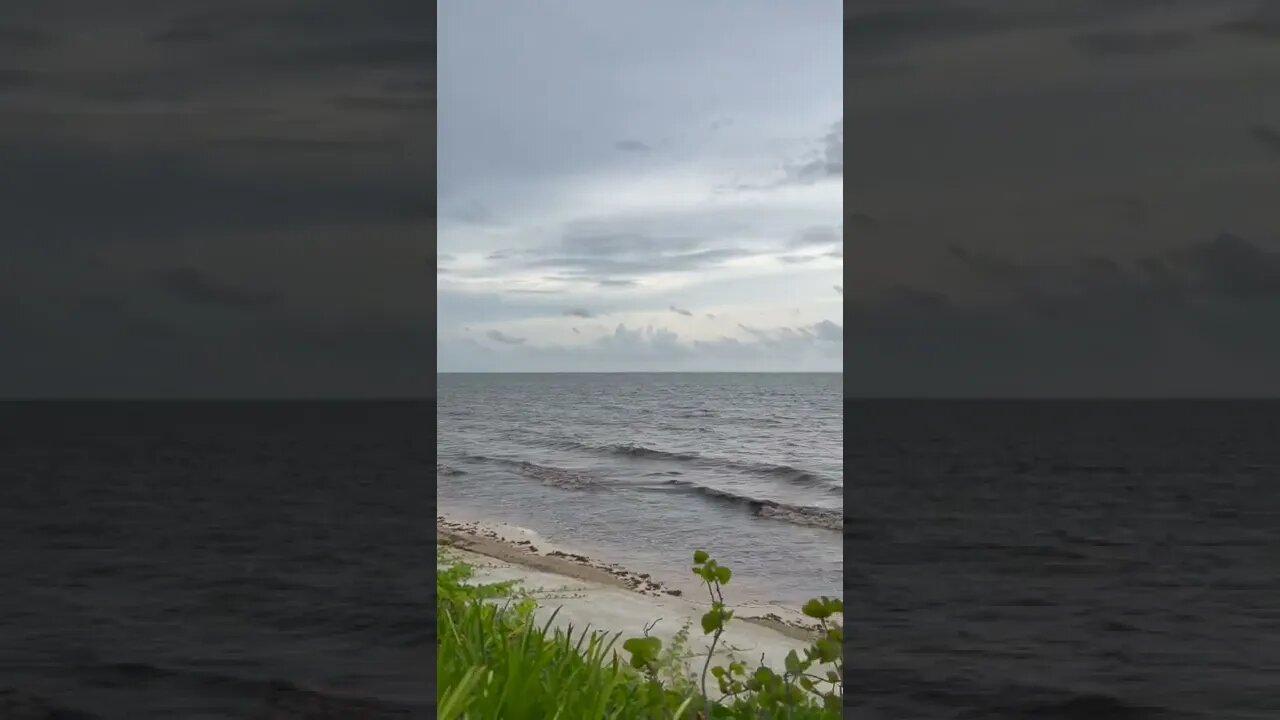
(639, 372)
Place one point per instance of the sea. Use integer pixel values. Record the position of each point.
(216, 560)
(1054, 560)
(1063, 560)
(643, 469)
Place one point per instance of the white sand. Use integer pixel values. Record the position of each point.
(605, 604)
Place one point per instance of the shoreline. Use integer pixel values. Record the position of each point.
(543, 557)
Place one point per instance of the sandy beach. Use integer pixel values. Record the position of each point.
(613, 599)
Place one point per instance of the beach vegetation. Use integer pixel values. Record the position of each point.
(495, 661)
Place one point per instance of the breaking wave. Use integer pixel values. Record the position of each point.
(821, 517)
(827, 518)
(786, 473)
(546, 474)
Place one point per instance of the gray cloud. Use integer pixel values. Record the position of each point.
(828, 164)
(580, 241)
(1228, 267)
(616, 259)
(201, 147)
(1120, 44)
(579, 312)
(1266, 136)
(897, 29)
(862, 223)
(1262, 24)
(596, 267)
(815, 237)
(882, 33)
(640, 348)
(385, 104)
(144, 194)
(12, 79)
(828, 331)
(1126, 191)
(195, 286)
(681, 311)
(505, 339)
(587, 203)
(1126, 209)
(342, 146)
(272, 42)
(19, 37)
(1183, 321)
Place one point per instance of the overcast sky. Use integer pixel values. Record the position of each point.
(1048, 197)
(640, 186)
(1063, 197)
(216, 199)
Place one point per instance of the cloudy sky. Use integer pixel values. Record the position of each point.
(1062, 197)
(1048, 197)
(226, 198)
(640, 186)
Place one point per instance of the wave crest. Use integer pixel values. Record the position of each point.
(787, 473)
(827, 518)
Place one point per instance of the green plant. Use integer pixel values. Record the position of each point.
(495, 662)
(795, 693)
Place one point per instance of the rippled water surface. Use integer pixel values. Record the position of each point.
(641, 469)
(215, 560)
(1070, 560)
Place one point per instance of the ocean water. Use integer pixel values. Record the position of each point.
(216, 560)
(1063, 560)
(642, 469)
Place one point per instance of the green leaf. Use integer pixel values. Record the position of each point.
(723, 574)
(700, 556)
(792, 663)
(828, 650)
(816, 608)
(646, 648)
(711, 621)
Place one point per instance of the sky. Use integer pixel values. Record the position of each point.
(230, 199)
(640, 186)
(246, 198)
(1062, 198)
